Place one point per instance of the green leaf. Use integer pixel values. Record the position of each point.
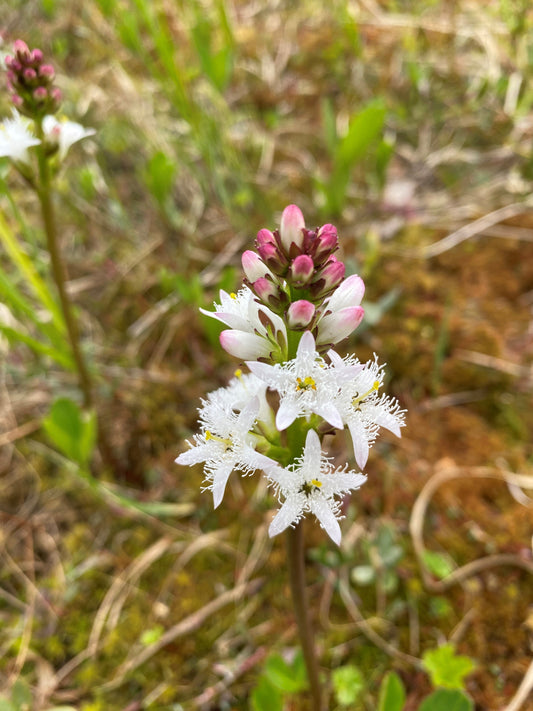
(21, 695)
(71, 430)
(446, 668)
(13, 335)
(265, 697)
(364, 128)
(363, 575)
(160, 174)
(447, 700)
(348, 683)
(437, 563)
(391, 693)
(281, 675)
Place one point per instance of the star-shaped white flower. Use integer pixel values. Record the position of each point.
(241, 390)
(364, 411)
(225, 443)
(312, 485)
(255, 330)
(64, 133)
(306, 384)
(16, 137)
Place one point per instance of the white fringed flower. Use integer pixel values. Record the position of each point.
(306, 384)
(224, 444)
(256, 331)
(16, 137)
(312, 485)
(64, 133)
(363, 410)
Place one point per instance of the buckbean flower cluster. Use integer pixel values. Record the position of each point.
(295, 304)
(35, 99)
(30, 81)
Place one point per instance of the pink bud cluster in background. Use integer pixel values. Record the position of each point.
(30, 81)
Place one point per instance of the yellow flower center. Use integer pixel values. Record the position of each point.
(305, 384)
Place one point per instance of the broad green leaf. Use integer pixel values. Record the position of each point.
(447, 700)
(265, 697)
(364, 128)
(391, 693)
(437, 563)
(281, 675)
(348, 683)
(363, 575)
(71, 430)
(446, 668)
(21, 695)
(160, 173)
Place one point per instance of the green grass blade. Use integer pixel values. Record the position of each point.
(12, 334)
(30, 274)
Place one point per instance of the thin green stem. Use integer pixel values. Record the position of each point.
(295, 556)
(59, 274)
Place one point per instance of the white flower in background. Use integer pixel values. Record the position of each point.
(363, 410)
(256, 331)
(64, 133)
(16, 137)
(225, 444)
(312, 484)
(306, 384)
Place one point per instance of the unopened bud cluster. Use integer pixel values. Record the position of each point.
(294, 305)
(31, 81)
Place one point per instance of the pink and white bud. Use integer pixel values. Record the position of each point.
(265, 289)
(40, 94)
(244, 345)
(37, 56)
(327, 241)
(300, 314)
(254, 267)
(302, 269)
(291, 226)
(47, 71)
(22, 50)
(334, 327)
(349, 293)
(29, 74)
(332, 274)
(17, 100)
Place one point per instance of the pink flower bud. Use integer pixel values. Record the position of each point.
(56, 95)
(330, 277)
(327, 242)
(253, 266)
(29, 74)
(40, 94)
(8, 60)
(349, 293)
(37, 56)
(269, 251)
(265, 237)
(265, 289)
(47, 70)
(291, 226)
(300, 314)
(245, 345)
(17, 100)
(22, 50)
(302, 269)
